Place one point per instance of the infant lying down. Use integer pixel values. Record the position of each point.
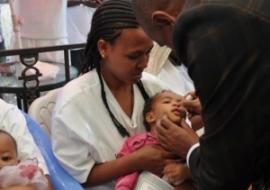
(175, 172)
(14, 172)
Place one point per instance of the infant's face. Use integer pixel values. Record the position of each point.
(8, 153)
(170, 104)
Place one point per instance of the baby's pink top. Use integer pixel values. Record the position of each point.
(132, 144)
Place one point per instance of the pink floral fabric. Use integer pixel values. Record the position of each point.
(132, 144)
(24, 173)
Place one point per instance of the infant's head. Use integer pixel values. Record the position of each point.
(8, 150)
(164, 103)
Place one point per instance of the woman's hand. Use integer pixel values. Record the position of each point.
(16, 23)
(152, 158)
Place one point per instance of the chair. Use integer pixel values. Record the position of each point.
(61, 180)
(41, 109)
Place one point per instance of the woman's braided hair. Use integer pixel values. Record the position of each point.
(108, 21)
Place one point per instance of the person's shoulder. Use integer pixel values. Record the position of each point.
(149, 78)
(12, 119)
(87, 80)
(152, 83)
(5, 108)
(84, 85)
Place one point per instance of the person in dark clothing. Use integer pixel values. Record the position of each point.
(226, 46)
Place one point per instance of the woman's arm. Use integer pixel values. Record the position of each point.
(16, 22)
(11, 5)
(150, 158)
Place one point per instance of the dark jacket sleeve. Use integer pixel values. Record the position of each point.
(226, 50)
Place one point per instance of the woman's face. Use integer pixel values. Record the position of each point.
(128, 56)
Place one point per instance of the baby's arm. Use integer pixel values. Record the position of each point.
(176, 172)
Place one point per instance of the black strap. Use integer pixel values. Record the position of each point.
(142, 90)
(121, 129)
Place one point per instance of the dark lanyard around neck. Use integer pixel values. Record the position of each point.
(121, 129)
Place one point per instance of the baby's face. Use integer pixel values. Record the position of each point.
(8, 153)
(169, 104)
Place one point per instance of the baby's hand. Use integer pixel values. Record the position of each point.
(176, 172)
(28, 171)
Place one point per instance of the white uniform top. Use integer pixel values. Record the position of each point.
(42, 19)
(82, 131)
(13, 122)
(175, 77)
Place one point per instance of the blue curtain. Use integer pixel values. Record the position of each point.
(61, 180)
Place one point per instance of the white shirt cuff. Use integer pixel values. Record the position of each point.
(190, 151)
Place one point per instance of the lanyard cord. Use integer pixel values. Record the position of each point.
(121, 129)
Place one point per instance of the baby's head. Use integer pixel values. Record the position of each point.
(8, 149)
(164, 103)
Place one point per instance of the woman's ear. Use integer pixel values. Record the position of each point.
(150, 117)
(102, 46)
(162, 18)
